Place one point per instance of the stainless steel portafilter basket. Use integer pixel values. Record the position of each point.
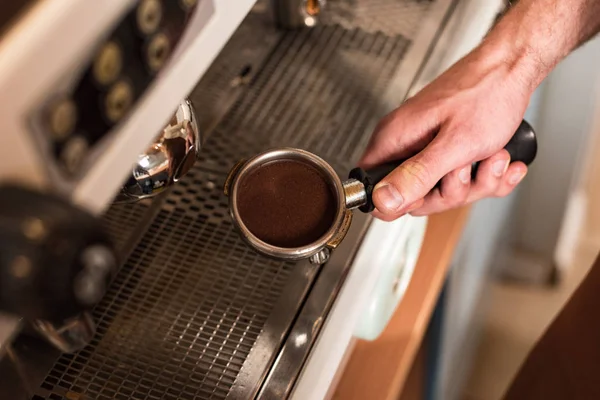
(318, 251)
(355, 192)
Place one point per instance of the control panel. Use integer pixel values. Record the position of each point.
(103, 90)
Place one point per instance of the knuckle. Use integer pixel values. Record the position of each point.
(457, 200)
(418, 174)
(453, 195)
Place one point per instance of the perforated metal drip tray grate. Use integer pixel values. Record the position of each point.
(187, 309)
(181, 317)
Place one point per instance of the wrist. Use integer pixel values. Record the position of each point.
(521, 63)
(528, 42)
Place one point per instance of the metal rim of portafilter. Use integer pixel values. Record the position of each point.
(318, 251)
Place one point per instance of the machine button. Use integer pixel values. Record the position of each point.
(188, 4)
(108, 63)
(148, 16)
(62, 117)
(157, 52)
(118, 101)
(121, 68)
(73, 152)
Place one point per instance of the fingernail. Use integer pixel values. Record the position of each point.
(516, 178)
(464, 176)
(389, 196)
(499, 168)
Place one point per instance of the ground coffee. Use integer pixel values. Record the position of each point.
(286, 203)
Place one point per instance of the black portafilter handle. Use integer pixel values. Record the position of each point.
(521, 147)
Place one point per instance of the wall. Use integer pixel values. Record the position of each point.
(466, 300)
(564, 117)
(591, 182)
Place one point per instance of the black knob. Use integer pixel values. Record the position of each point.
(55, 259)
(523, 145)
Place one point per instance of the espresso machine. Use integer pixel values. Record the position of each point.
(121, 274)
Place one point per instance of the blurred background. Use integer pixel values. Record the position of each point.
(521, 257)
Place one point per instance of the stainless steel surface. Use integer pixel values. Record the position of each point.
(168, 159)
(293, 14)
(265, 349)
(390, 17)
(402, 84)
(71, 336)
(235, 68)
(126, 222)
(283, 253)
(195, 313)
(90, 284)
(287, 369)
(282, 377)
(184, 311)
(355, 193)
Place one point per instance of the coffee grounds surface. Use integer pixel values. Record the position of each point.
(286, 203)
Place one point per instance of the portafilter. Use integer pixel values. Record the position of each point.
(290, 204)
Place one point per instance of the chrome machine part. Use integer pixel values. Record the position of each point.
(193, 312)
(293, 14)
(355, 193)
(232, 187)
(168, 159)
(321, 257)
(74, 334)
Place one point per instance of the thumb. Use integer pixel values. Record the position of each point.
(415, 177)
(400, 134)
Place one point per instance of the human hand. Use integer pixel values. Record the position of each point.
(466, 115)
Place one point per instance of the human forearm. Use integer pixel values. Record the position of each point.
(470, 112)
(536, 34)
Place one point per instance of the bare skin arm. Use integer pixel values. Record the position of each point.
(470, 112)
